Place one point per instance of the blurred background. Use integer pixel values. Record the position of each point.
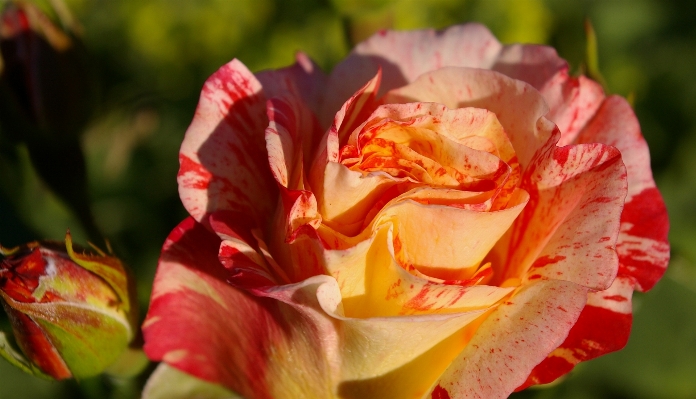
(149, 59)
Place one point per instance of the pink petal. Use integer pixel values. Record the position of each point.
(642, 246)
(403, 56)
(303, 79)
(293, 133)
(530, 63)
(244, 254)
(512, 340)
(223, 159)
(572, 102)
(201, 325)
(357, 109)
(292, 238)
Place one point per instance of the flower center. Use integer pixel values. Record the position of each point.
(456, 162)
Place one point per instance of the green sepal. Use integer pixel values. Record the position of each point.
(17, 359)
(166, 382)
(112, 271)
(131, 363)
(89, 340)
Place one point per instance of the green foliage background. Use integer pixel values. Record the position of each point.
(151, 58)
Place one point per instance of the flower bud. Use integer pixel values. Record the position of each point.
(70, 311)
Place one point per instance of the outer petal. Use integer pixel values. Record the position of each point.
(531, 63)
(258, 347)
(603, 326)
(303, 79)
(642, 248)
(223, 162)
(375, 362)
(572, 101)
(512, 340)
(403, 56)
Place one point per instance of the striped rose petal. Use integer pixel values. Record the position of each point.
(257, 347)
(642, 248)
(223, 162)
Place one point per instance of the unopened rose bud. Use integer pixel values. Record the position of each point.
(71, 311)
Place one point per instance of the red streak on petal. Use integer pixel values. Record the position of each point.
(646, 272)
(397, 244)
(598, 331)
(418, 302)
(646, 212)
(547, 260)
(561, 155)
(202, 174)
(393, 291)
(617, 298)
(440, 393)
(551, 368)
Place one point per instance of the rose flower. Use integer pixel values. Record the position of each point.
(441, 217)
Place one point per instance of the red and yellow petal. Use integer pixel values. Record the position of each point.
(258, 347)
(512, 341)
